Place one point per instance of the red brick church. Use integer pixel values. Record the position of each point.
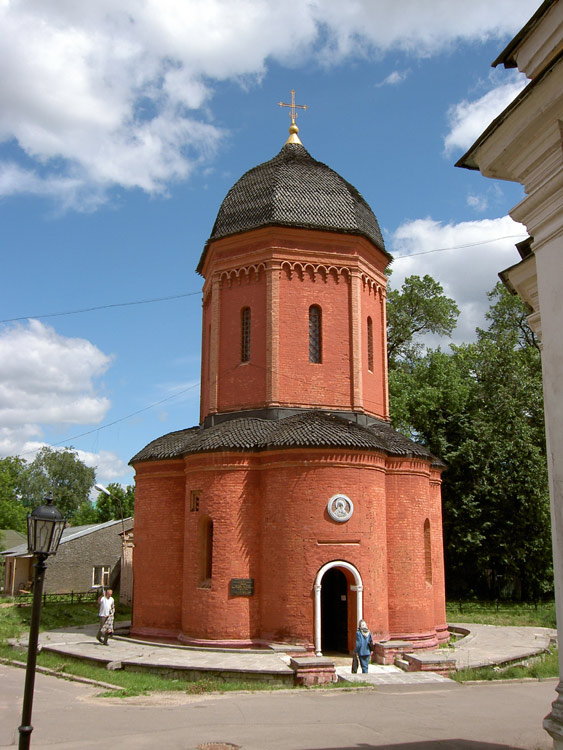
(294, 509)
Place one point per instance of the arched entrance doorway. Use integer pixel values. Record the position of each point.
(333, 581)
(334, 611)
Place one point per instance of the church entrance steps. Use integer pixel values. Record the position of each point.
(387, 652)
(402, 664)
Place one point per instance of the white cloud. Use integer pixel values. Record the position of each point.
(465, 273)
(102, 94)
(478, 202)
(421, 29)
(467, 120)
(46, 379)
(109, 466)
(397, 76)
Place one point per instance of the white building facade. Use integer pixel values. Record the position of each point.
(525, 145)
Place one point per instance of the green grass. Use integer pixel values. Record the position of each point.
(14, 621)
(539, 668)
(134, 683)
(502, 613)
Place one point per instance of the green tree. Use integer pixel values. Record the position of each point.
(479, 408)
(13, 516)
(419, 308)
(63, 474)
(108, 506)
(12, 477)
(13, 472)
(85, 514)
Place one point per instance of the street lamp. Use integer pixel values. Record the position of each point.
(101, 488)
(44, 529)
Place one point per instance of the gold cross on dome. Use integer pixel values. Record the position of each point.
(293, 107)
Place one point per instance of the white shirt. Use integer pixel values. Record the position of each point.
(106, 604)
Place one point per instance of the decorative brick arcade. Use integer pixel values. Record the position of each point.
(294, 508)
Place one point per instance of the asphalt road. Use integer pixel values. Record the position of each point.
(478, 717)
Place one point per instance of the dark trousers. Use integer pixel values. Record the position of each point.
(102, 637)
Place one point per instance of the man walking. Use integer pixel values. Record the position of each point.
(106, 613)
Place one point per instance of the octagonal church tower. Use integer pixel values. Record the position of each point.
(294, 509)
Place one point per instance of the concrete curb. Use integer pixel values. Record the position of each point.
(62, 675)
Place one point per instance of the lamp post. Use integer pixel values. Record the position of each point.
(44, 529)
(101, 488)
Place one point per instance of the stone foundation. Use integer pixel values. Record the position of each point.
(314, 670)
(434, 661)
(385, 652)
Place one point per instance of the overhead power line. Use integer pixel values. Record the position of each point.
(100, 307)
(192, 294)
(460, 247)
(117, 421)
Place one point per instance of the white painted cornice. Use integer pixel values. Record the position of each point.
(542, 211)
(537, 49)
(528, 135)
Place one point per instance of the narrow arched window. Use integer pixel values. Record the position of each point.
(205, 552)
(370, 345)
(245, 334)
(427, 552)
(315, 334)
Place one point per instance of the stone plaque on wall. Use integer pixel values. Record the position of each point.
(241, 587)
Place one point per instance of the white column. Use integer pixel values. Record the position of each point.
(359, 603)
(549, 264)
(318, 651)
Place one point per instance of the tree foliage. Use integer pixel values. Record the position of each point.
(63, 474)
(23, 485)
(420, 307)
(13, 514)
(107, 507)
(479, 408)
(121, 499)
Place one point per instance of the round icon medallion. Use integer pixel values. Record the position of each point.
(340, 508)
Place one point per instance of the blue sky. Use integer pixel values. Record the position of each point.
(122, 128)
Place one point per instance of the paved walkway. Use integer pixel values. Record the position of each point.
(69, 716)
(484, 645)
(491, 644)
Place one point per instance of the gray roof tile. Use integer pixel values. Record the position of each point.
(304, 430)
(295, 190)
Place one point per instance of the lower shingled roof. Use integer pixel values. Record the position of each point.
(308, 429)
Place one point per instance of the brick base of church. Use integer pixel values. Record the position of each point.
(271, 530)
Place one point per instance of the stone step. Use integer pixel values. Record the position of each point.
(402, 664)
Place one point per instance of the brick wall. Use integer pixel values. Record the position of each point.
(311, 268)
(159, 547)
(269, 510)
(270, 523)
(242, 384)
(411, 597)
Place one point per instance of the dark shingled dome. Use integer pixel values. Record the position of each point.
(307, 429)
(295, 190)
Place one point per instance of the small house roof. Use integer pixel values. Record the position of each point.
(10, 538)
(69, 534)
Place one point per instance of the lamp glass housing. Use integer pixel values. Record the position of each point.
(45, 526)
